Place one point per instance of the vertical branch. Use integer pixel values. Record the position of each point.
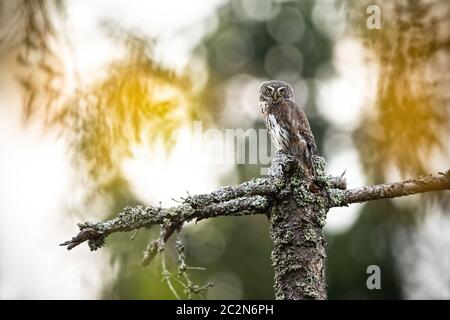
(296, 222)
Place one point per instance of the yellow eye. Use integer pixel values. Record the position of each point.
(269, 90)
(282, 91)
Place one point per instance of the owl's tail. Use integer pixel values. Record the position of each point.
(307, 159)
(306, 162)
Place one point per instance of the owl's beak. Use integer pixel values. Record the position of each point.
(275, 96)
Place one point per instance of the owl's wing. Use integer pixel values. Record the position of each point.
(299, 121)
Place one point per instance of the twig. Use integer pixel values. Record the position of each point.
(396, 189)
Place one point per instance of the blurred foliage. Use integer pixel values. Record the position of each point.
(42, 70)
(137, 102)
(369, 242)
(266, 40)
(134, 101)
(406, 127)
(410, 120)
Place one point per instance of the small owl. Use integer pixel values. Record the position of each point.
(287, 123)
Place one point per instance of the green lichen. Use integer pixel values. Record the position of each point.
(279, 184)
(298, 185)
(286, 265)
(296, 181)
(321, 218)
(322, 210)
(336, 197)
(302, 196)
(319, 166)
(308, 286)
(310, 234)
(97, 243)
(287, 237)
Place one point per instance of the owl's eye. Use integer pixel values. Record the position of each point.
(282, 91)
(269, 90)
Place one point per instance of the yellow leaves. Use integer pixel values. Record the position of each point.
(407, 129)
(138, 102)
(410, 119)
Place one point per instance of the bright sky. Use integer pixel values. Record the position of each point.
(176, 25)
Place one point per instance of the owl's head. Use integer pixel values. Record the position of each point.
(275, 91)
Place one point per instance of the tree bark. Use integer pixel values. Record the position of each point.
(297, 219)
(298, 254)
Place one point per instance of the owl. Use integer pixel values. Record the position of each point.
(287, 123)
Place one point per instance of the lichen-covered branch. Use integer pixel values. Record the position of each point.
(254, 196)
(267, 186)
(393, 190)
(250, 197)
(134, 218)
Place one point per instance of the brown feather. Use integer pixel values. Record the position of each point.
(289, 128)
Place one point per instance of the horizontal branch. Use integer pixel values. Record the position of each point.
(134, 218)
(247, 198)
(251, 197)
(393, 190)
(267, 186)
